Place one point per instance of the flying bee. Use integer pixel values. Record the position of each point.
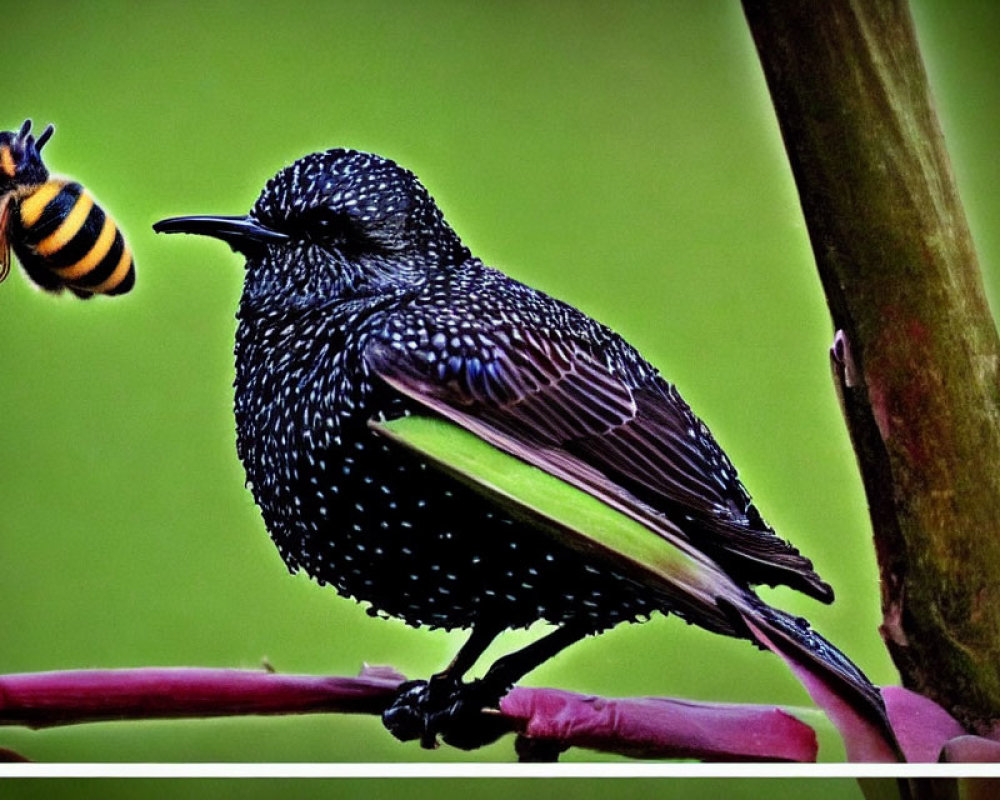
(61, 237)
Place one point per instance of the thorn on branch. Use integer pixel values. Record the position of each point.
(842, 356)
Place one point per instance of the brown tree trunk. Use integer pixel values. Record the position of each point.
(919, 352)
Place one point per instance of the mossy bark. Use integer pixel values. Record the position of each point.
(918, 352)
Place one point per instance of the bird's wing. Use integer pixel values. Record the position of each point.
(560, 407)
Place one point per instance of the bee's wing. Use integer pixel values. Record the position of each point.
(5, 205)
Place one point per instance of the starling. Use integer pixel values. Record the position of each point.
(360, 303)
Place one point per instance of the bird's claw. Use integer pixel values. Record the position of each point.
(406, 717)
(456, 711)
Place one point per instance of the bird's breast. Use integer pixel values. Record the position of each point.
(379, 524)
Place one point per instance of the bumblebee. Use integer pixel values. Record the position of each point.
(62, 238)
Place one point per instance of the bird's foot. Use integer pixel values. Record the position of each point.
(457, 712)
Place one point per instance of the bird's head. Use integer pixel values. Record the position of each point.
(340, 222)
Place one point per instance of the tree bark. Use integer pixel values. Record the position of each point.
(917, 348)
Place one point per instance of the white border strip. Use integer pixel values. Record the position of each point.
(481, 770)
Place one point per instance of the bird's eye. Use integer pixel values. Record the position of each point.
(329, 227)
(323, 221)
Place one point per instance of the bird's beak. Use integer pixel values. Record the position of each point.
(240, 233)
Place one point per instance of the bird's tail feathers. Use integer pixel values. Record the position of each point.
(834, 682)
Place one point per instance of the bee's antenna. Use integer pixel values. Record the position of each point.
(46, 134)
(25, 127)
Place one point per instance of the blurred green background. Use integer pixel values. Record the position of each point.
(622, 156)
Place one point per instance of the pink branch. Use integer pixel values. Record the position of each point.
(48, 699)
(638, 727)
(642, 727)
(661, 727)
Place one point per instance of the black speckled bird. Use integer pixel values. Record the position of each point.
(360, 303)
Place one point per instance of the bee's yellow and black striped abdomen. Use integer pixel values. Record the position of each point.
(65, 239)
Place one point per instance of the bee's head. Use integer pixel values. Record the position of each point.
(20, 157)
